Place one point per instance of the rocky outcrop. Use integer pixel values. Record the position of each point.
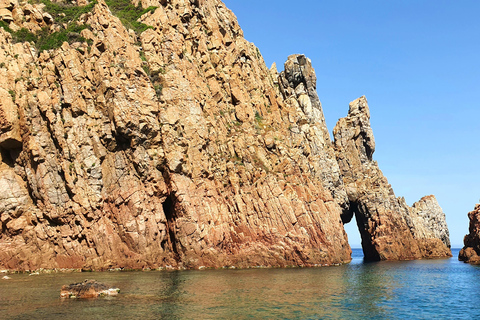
(29, 16)
(173, 147)
(298, 87)
(389, 228)
(471, 250)
(87, 289)
(427, 222)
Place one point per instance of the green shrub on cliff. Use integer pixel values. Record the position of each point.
(66, 16)
(47, 41)
(129, 14)
(66, 13)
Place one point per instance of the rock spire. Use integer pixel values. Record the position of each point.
(471, 250)
(389, 228)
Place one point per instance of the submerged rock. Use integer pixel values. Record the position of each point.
(87, 289)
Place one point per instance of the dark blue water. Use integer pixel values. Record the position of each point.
(425, 289)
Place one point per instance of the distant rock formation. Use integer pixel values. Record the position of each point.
(471, 250)
(389, 228)
(172, 147)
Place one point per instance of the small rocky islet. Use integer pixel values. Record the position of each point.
(167, 141)
(87, 289)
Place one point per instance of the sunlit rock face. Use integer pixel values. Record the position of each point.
(176, 147)
(389, 228)
(471, 251)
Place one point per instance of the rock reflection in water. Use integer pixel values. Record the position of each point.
(383, 290)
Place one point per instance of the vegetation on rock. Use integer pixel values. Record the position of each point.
(129, 14)
(67, 15)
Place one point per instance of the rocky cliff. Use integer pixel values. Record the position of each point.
(471, 251)
(389, 228)
(164, 142)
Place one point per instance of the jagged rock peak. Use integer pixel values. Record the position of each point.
(298, 87)
(299, 71)
(429, 221)
(358, 119)
(299, 80)
(389, 228)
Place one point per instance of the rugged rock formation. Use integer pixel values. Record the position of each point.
(390, 229)
(174, 146)
(429, 226)
(471, 249)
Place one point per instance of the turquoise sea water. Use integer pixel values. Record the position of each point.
(424, 289)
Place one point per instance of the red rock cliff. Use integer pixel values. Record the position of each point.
(471, 250)
(175, 146)
(172, 147)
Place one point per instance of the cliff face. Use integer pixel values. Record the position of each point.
(389, 228)
(174, 146)
(471, 250)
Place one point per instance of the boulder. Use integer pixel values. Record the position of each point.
(87, 289)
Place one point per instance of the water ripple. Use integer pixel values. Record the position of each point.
(422, 289)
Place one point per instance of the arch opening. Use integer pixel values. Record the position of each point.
(358, 233)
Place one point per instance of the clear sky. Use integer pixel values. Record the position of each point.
(417, 62)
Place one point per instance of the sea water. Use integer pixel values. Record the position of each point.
(422, 289)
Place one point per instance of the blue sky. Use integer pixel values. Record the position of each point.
(417, 62)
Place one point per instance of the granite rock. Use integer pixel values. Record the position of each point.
(174, 147)
(470, 252)
(389, 228)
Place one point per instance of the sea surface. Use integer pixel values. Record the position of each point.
(422, 289)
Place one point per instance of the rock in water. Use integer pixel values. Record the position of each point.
(471, 250)
(389, 228)
(87, 289)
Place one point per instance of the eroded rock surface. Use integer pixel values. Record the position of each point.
(174, 147)
(471, 251)
(389, 228)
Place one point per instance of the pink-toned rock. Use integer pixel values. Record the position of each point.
(470, 252)
(390, 229)
(173, 147)
(179, 152)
